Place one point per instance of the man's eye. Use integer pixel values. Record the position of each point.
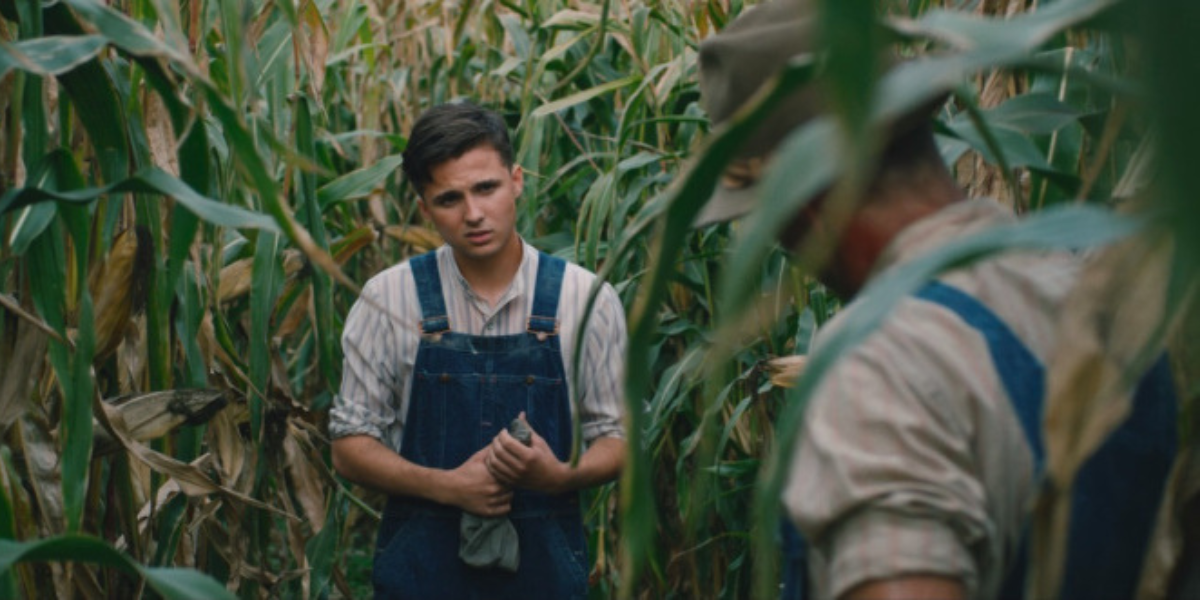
(489, 187)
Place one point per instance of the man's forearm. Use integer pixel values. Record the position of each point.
(366, 461)
(601, 463)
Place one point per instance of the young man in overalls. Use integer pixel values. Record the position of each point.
(444, 351)
(922, 448)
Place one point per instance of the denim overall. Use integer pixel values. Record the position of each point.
(1117, 492)
(465, 389)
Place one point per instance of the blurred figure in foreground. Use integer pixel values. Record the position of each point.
(922, 450)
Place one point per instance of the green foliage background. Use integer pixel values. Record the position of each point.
(192, 190)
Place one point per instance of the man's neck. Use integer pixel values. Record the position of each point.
(490, 278)
(879, 221)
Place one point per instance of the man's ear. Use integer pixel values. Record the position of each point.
(423, 208)
(518, 179)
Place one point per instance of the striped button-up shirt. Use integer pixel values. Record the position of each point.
(912, 460)
(382, 333)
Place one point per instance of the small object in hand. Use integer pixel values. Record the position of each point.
(492, 542)
(520, 430)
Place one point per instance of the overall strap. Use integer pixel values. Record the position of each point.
(543, 318)
(1019, 370)
(1116, 492)
(434, 318)
(1023, 378)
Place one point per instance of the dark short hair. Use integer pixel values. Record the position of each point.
(448, 131)
(906, 153)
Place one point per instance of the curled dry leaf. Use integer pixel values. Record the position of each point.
(420, 238)
(132, 357)
(191, 480)
(237, 276)
(296, 314)
(206, 338)
(37, 449)
(316, 45)
(166, 492)
(307, 483)
(353, 242)
(230, 448)
(153, 415)
(280, 382)
(19, 369)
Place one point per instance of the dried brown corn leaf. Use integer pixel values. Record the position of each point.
(192, 481)
(297, 314)
(155, 414)
(19, 370)
(238, 276)
(353, 242)
(40, 454)
(227, 442)
(420, 238)
(307, 484)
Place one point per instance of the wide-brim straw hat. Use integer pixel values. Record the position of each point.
(734, 65)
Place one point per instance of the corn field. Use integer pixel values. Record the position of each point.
(191, 192)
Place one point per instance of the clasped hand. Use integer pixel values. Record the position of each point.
(486, 480)
(533, 467)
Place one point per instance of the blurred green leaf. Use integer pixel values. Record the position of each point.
(50, 55)
(358, 184)
(147, 181)
(584, 96)
(1033, 113)
(1018, 149)
(1024, 32)
(173, 584)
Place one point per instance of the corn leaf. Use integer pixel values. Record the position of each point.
(50, 55)
(359, 183)
(180, 584)
(584, 96)
(147, 181)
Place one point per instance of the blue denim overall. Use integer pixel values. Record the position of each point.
(1116, 493)
(465, 389)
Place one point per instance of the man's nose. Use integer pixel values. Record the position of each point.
(474, 209)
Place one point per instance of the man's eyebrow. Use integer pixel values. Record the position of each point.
(446, 196)
(485, 184)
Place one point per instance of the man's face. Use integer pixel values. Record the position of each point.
(472, 201)
(806, 235)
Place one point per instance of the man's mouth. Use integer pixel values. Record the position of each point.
(477, 237)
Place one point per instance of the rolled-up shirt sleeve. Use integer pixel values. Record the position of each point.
(883, 481)
(365, 404)
(603, 369)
